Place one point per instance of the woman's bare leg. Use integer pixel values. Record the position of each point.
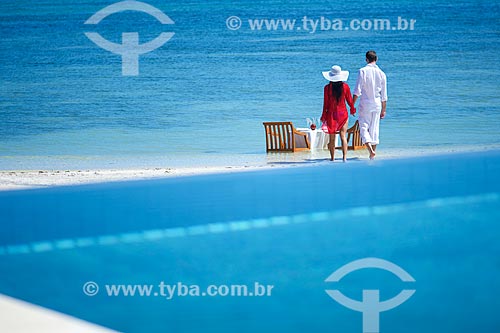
(331, 147)
(343, 138)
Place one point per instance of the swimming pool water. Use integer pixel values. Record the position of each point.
(434, 217)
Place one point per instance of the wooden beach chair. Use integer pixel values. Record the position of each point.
(283, 137)
(353, 138)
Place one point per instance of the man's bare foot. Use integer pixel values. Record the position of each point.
(372, 155)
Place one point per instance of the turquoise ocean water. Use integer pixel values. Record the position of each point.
(202, 97)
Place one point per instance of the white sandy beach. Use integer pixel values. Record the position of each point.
(40, 178)
(25, 179)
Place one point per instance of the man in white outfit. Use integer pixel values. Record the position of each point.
(371, 89)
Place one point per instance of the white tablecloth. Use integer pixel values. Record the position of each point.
(317, 138)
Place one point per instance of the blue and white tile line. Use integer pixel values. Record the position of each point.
(236, 226)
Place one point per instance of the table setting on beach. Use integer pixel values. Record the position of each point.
(318, 139)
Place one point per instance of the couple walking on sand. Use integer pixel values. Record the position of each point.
(371, 90)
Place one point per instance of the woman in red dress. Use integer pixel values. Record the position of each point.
(334, 117)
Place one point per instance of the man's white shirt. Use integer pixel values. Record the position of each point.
(371, 87)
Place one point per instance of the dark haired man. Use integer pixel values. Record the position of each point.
(371, 89)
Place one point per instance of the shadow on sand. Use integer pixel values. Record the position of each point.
(313, 160)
